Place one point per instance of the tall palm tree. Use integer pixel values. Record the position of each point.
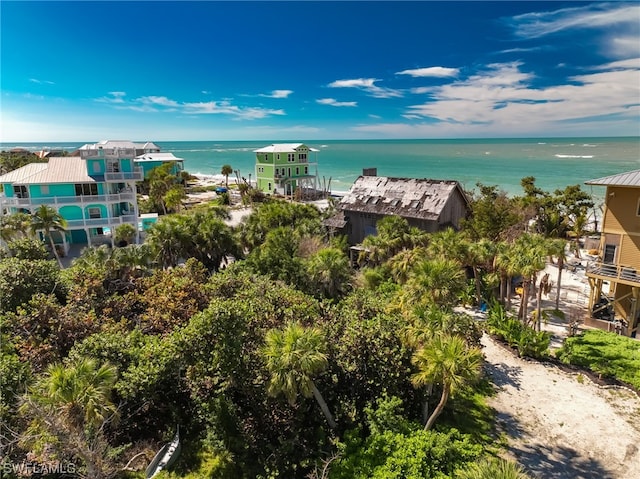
(530, 253)
(446, 360)
(47, 219)
(294, 356)
(558, 249)
(226, 171)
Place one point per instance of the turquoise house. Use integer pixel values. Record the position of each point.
(95, 192)
(148, 161)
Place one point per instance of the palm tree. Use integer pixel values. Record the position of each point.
(437, 281)
(47, 219)
(529, 256)
(445, 360)
(16, 225)
(294, 356)
(72, 403)
(226, 171)
(558, 249)
(329, 272)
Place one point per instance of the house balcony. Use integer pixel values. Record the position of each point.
(109, 222)
(136, 175)
(127, 196)
(612, 272)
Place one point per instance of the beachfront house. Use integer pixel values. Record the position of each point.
(615, 277)
(286, 169)
(430, 205)
(94, 192)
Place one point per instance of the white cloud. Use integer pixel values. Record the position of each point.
(603, 15)
(502, 99)
(437, 72)
(278, 94)
(41, 82)
(151, 103)
(367, 85)
(334, 102)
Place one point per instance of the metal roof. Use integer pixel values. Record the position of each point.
(156, 157)
(630, 178)
(59, 169)
(283, 148)
(22, 173)
(407, 197)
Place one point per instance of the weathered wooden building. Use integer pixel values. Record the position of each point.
(427, 204)
(616, 308)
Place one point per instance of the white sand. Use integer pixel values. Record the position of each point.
(558, 427)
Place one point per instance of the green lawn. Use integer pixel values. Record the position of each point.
(604, 353)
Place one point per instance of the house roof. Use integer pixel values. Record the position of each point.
(282, 148)
(59, 169)
(124, 144)
(630, 178)
(22, 173)
(156, 157)
(336, 221)
(406, 197)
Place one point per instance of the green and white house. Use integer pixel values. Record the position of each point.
(94, 192)
(286, 168)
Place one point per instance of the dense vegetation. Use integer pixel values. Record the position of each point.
(271, 352)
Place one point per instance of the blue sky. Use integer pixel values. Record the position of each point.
(86, 71)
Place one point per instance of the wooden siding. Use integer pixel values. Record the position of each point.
(622, 208)
(454, 210)
(630, 252)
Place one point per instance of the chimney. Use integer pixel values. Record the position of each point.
(370, 172)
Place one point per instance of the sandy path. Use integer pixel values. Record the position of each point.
(560, 428)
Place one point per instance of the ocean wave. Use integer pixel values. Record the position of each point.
(573, 156)
(587, 145)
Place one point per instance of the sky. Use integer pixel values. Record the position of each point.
(298, 70)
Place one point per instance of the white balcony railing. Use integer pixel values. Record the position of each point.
(126, 196)
(102, 222)
(135, 175)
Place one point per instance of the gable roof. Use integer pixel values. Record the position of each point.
(59, 169)
(630, 178)
(406, 197)
(282, 148)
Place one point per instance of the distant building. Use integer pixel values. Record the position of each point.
(430, 205)
(284, 168)
(619, 264)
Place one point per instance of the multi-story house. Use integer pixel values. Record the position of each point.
(94, 192)
(286, 167)
(615, 277)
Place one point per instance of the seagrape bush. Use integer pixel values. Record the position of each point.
(529, 342)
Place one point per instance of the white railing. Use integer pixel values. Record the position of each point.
(135, 175)
(102, 222)
(69, 200)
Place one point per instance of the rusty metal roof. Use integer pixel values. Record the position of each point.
(407, 197)
(630, 178)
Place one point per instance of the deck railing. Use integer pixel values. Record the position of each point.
(102, 222)
(127, 196)
(614, 271)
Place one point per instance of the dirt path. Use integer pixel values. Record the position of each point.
(560, 427)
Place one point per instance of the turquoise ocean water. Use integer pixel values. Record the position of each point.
(555, 162)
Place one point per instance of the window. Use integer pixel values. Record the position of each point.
(638, 208)
(302, 157)
(297, 171)
(609, 253)
(86, 189)
(96, 167)
(20, 191)
(306, 170)
(288, 171)
(269, 187)
(291, 157)
(44, 189)
(94, 213)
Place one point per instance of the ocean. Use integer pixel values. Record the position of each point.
(554, 162)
